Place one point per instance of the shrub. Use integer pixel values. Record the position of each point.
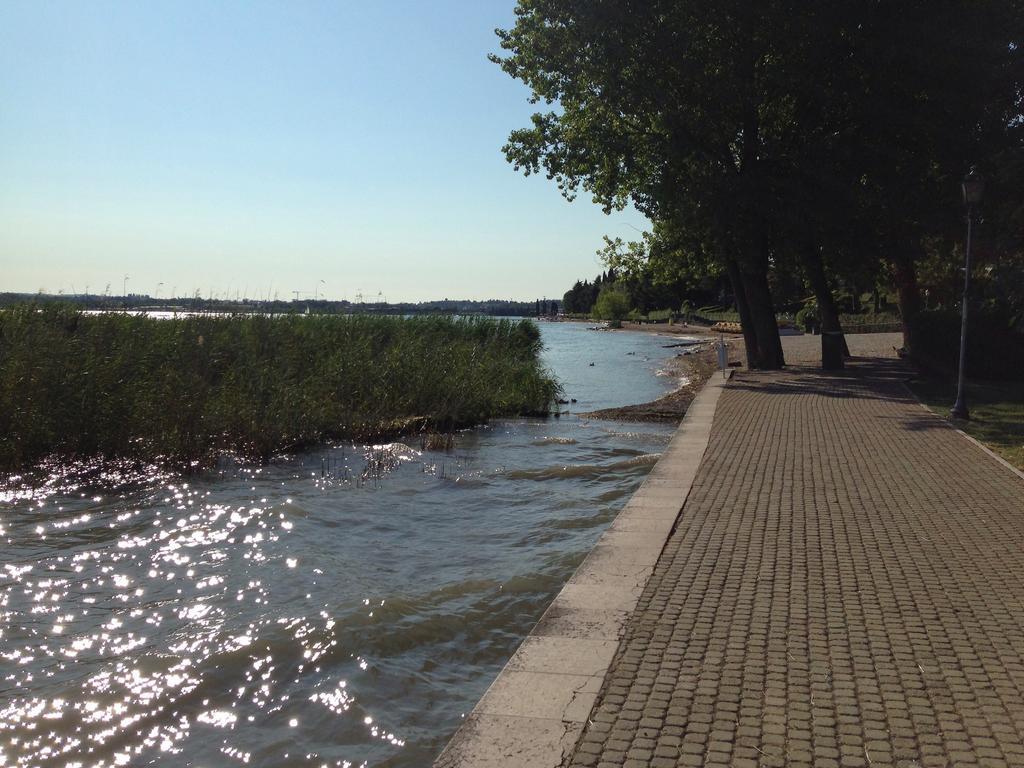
(611, 305)
(994, 349)
(808, 317)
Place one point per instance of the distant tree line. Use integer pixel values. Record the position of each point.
(580, 299)
(793, 150)
(545, 308)
(644, 292)
(489, 307)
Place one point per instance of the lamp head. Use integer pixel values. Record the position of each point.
(973, 187)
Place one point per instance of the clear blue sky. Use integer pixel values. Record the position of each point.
(253, 146)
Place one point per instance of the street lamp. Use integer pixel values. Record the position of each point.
(973, 189)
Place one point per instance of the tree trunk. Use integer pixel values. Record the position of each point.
(908, 294)
(754, 277)
(743, 307)
(815, 267)
(753, 261)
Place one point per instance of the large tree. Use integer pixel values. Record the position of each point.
(662, 105)
(931, 87)
(775, 133)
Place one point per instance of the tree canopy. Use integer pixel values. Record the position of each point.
(822, 138)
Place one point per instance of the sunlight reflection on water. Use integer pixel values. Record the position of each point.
(341, 607)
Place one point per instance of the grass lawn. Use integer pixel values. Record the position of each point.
(996, 408)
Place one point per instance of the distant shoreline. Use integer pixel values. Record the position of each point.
(665, 329)
(674, 329)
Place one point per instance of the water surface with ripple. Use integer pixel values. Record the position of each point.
(343, 607)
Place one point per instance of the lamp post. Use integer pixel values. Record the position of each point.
(973, 188)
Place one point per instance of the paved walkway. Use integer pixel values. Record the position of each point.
(844, 587)
(806, 349)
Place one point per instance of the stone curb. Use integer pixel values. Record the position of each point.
(963, 434)
(535, 710)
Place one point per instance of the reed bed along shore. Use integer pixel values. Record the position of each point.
(186, 389)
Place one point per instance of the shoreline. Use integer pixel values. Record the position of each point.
(664, 329)
(667, 329)
(536, 709)
(691, 371)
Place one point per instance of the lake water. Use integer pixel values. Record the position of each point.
(342, 607)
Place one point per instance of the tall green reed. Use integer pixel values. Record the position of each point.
(182, 390)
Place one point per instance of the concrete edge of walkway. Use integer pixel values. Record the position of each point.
(535, 710)
(978, 443)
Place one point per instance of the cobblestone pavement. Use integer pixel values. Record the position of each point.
(844, 587)
(806, 349)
